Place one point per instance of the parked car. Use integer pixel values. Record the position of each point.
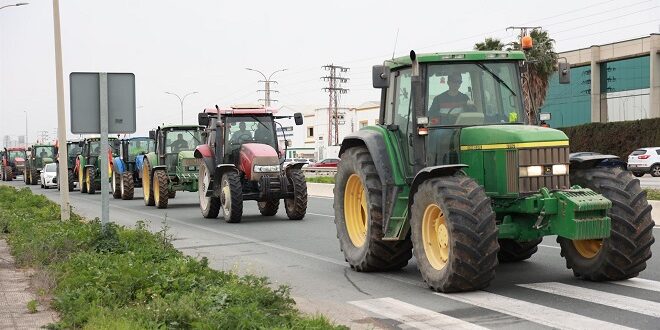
(328, 162)
(288, 161)
(645, 160)
(49, 176)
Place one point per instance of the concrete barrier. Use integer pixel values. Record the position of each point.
(325, 190)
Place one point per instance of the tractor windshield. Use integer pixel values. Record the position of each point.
(137, 147)
(95, 148)
(182, 140)
(470, 94)
(73, 149)
(44, 152)
(248, 129)
(13, 154)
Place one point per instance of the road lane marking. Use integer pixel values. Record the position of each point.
(411, 316)
(529, 311)
(631, 304)
(550, 246)
(640, 283)
(321, 215)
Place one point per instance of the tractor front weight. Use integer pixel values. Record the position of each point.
(575, 214)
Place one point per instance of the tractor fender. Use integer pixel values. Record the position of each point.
(221, 169)
(152, 158)
(138, 164)
(118, 165)
(432, 172)
(591, 161)
(375, 143)
(203, 151)
(158, 168)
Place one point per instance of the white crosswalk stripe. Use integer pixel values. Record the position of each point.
(640, 283)
(636, 305)
(540, 314)
(411, 316)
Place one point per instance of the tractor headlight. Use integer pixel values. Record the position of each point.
(191, 168)
(561, 169)
(531, 171)
(266, 168)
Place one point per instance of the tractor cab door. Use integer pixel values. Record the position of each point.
(398, 116)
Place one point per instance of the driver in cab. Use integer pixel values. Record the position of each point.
(452, 98)
(179, 144)
(241, 135)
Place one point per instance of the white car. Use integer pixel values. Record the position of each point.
(645, 160)
(48, 176)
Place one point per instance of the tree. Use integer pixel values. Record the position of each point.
(541, 63)
(489, 44)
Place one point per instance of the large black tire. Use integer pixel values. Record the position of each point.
(512, 250)
(8, 174)
(465, 216)
(171, 194)
(71, 178)
(369, 252)
(269, 208)
(296, 207)
(231, 197)
(623, 255)
(89, 180)
(161, 189)
(209, 205)
(116, 185)
(655, 170)
(127, 186)
(26, 176)
(34, 177)
(147, 188)
(81, 180)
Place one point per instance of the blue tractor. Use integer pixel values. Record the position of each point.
(127, 167)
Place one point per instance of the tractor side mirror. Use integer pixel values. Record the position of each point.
(298, 118)
(564, 70)
(203, 118)
(152, 135)
(380, 76)
(81, 143)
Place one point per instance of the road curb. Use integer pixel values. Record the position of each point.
(325, 190)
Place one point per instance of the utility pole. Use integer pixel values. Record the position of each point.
(334, 89)
(528, 98)
(267, 89)
(43, 136)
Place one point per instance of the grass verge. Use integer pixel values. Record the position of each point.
(321, 179)
(652, 194)
(121, 278)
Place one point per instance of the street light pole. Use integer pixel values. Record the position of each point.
(181, 99)
(266, 82)
(26, 134)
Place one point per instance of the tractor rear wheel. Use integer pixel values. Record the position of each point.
(209, 205)
(8, 174)
(622, 255)
(512, 250)
(116, 185)
(71, 178)
(34, 177)
(269, 208)
(359, 216)
(231, 197)
(147, 189)
(82, 183)
(454, 234)
(89, 180)
(296, 207)
(127, 186)
(160, 189)
(26, 177)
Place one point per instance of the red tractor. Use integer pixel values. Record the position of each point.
(13, 163)
(241, 160)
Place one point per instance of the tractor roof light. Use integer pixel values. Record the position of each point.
(526, 42)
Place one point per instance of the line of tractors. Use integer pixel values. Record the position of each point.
(453, 174)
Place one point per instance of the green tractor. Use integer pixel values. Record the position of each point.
(127, 168)
(88, 163)
(73, 151)
(172, 167)
(37, 157)
(453, 174)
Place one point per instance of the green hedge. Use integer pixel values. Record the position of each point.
(121, 278)
(617, 138)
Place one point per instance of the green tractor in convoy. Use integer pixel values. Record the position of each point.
(38, 155)
(127, 167)
(453, 174)
(172, 167)
(73, 151)
(88, 163)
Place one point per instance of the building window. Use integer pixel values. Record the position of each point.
(363, 123)
(310, 131)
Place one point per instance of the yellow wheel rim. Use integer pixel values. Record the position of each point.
(88, 179)
(588, 248)
(435, 236)
(156, 189)
(80, 177)
(146, 181)
(355, 210)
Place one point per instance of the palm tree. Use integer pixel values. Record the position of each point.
(541, 63)
(489, 44)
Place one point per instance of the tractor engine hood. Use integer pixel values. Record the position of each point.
(186, 155)
(481, 137)
(257, 154)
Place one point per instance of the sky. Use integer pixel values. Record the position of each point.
(204, 46)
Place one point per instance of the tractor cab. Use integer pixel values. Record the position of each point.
(13, 162)
(88, 165)
(175, 146)
(37, 157)
(131, 148)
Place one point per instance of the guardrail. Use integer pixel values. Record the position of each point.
(319, 171)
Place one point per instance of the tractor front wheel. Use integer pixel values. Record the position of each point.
(71, 178)
(26, 176)
(147, 190)
(34, 177)
(622, 255)
(512, 250)
(116, 185)
(127, 186)
(8, 174)
(81, 180)
(231, 197)
(209, 205)
(454, 234)
(89, 180)
(296, 207)
(269, 208)
(160, 189)
(359, 216)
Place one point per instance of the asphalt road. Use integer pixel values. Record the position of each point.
(538, 293)
(647, 181)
